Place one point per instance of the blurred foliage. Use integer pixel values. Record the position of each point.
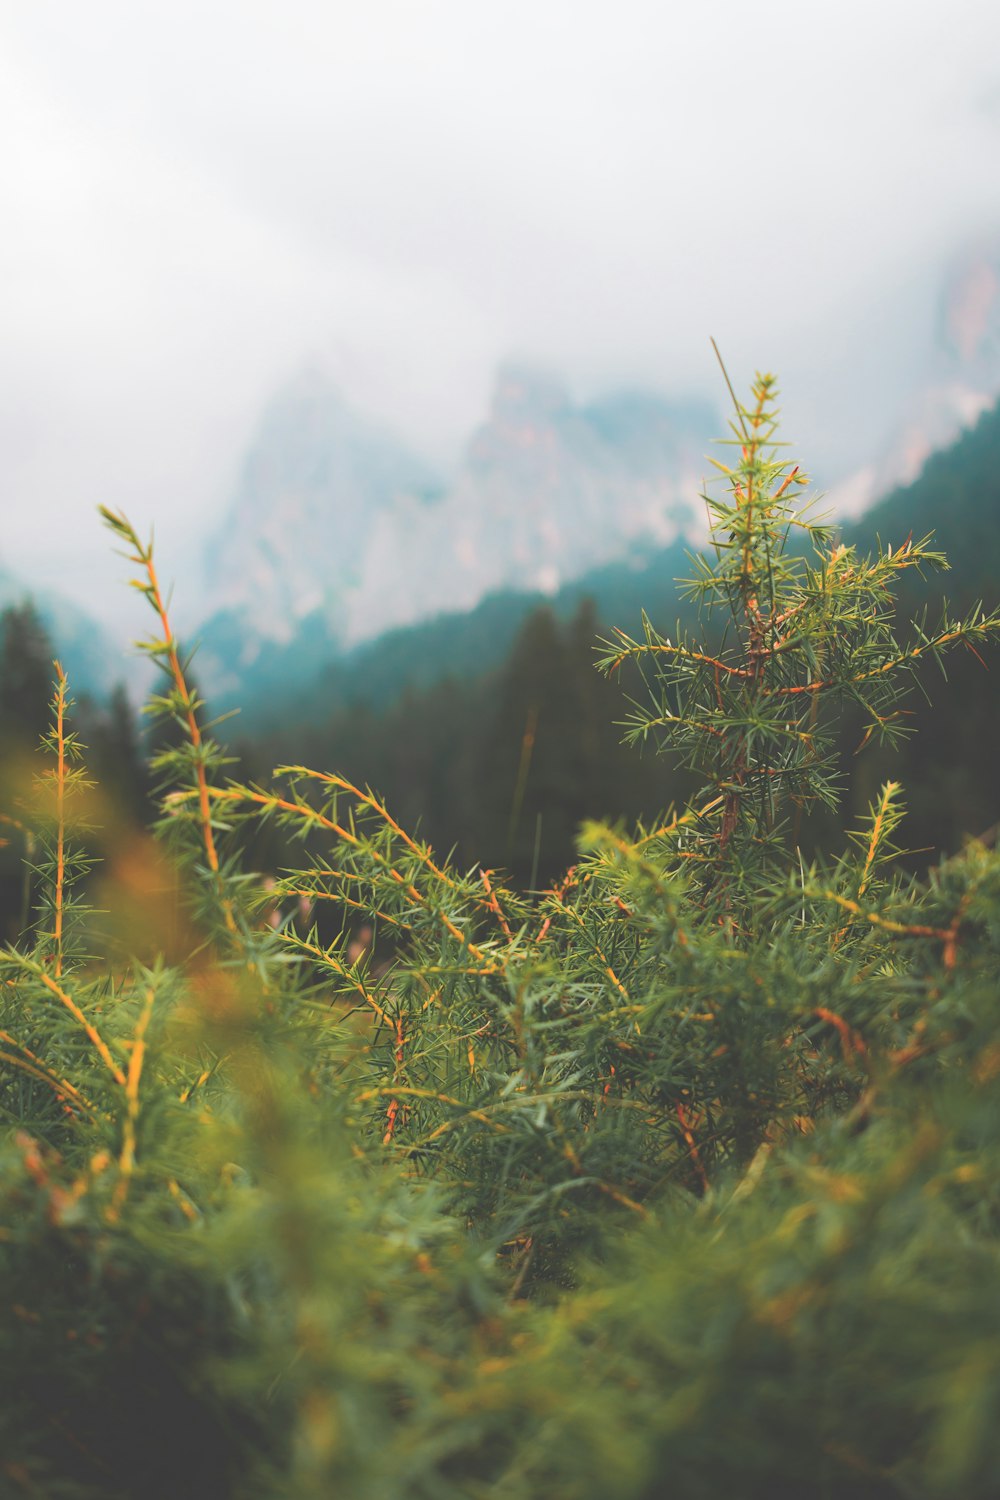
(680, 1177)
(115, 760)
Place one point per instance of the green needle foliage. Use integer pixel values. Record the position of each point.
(390, 1180)
(808, 630)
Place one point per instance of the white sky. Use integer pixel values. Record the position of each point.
(199, 196)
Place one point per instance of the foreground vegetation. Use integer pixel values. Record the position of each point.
(680, 1178)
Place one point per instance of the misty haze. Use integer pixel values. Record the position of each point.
(499, 876)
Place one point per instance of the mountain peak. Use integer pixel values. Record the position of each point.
(314, 482)
(524, 391)
(339, 531)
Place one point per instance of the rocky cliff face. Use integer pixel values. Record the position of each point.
(339, 532)
(957, 381)
(963, 376)
(314, 483)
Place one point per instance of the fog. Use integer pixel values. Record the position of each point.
(200, 197)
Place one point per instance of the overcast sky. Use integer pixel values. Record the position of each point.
(199, 195)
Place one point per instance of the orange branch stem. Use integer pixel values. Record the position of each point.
(493, 905)
(193, 729)
(57, 925)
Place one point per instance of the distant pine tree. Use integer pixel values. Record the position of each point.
(25, 688)
(117, 758)
(26, 654)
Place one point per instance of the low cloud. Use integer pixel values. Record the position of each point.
(202, 197)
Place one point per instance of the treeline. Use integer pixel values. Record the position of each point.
(502, 768)
(505, 767)
(948, 763)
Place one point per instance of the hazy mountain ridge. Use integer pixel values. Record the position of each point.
(460, 644)
(957, 382)
(316, 476)
(338, 532)
(956, 495)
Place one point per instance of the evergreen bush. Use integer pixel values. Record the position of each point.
(390, 1180)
